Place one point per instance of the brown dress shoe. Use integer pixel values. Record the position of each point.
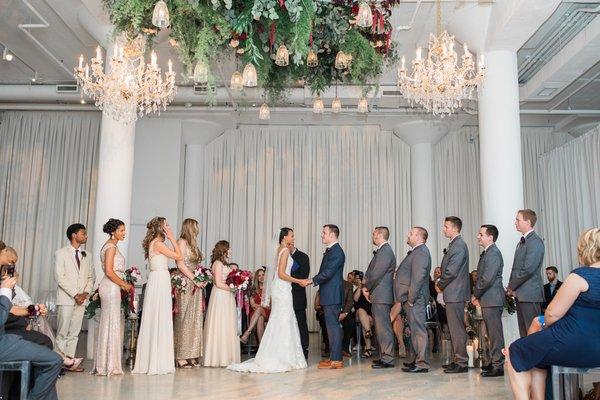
(324, 363)
(331, 364)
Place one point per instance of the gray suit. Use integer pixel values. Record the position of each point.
(526, 280)
(490, 293)
(46, 363)
(416, 265)
(456, 287)
(379, 283)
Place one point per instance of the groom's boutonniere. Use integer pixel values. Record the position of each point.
(444, 251)
(83, 254)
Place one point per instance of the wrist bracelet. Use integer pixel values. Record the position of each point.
(542, 320)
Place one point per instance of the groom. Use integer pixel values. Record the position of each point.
(330, 278)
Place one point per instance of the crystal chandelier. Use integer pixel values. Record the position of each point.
(249, 78)
(364, 18)
(311, 59)
(236, 82)
(201, 72)
(282, 58)
(131, 87)
(363, 105)
(160, 15)
(318, 105)
(342, 60)
(264, 113)
(336, 105)
(439, 84)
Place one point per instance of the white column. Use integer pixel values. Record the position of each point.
(193, 190)
(500, 157)
(422, 195)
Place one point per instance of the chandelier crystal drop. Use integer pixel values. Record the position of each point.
(364, 18)
(318, 105)
(336, 105)
(201, 72)
(160, 15)
(312, 59)
(282, 58)
(438, 83)
(264, 113)
(132, 88)
(237, 81)
(250, 78)
(363, 105)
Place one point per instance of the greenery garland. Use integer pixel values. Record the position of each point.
(204, 30)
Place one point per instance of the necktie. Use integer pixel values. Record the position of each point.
(77, 259)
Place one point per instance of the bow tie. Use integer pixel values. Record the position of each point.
(481, 255)
(521, 241)
(444, 251)
(374, 252)
(408, 252)
(327, 250)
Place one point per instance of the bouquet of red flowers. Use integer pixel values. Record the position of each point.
(239, 280)
(131, 275)
(34, 310)
(202, 274)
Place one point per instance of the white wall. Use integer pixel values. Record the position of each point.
(157, 180)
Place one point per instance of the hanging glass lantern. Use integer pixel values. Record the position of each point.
(250, 78)
(336, 105)
(282, 58)
(236, 82)
(342, 60)
(318, 105)
(160, 15)
(364, 18)
(311, 59)
(363, 106)
(201, 72)
(264, 113)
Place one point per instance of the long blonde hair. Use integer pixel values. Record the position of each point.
(189, 233)
(155, 229)
(588, 247)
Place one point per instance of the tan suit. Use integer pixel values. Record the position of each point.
(71, 280)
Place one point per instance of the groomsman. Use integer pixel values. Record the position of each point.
(456, 289)
(417, 266)
(75, 277)
(379, 287)
(489, 294)
(526, 276)
(329, 279)
(300, 270)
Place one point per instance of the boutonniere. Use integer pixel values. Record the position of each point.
(444, 251)
(83, 254)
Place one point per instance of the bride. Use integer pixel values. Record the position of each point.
(280, 349)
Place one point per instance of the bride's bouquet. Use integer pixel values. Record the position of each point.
(239, 280)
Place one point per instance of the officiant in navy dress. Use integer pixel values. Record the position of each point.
(300, 270)
(329, 279)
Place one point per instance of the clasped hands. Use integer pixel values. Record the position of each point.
(80, 298)
(305, 282)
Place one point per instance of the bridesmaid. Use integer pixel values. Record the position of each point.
(221, 343)
(109, 347)
(155, 355)
(189, 320)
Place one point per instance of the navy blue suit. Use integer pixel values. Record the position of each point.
(330, 280)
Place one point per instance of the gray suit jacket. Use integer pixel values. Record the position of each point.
(379, 276)
(412, 276)
(488, 288)
(455, 272)
(526, 275)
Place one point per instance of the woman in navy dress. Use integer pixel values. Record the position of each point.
(568, 333)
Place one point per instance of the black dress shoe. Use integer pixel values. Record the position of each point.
(415, 369)
(409, 365)
(488, 367)
(456, 369)
(446, 366)
(376, 361)
(492, 372)
(382, 365)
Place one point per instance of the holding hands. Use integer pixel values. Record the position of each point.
(305, 282)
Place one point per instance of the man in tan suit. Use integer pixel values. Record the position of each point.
(75, 277)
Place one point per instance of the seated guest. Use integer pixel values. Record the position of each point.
(46, 363)
(259, 315)
(567, 334)
(362, 307)
(347, 318)
(551, 287)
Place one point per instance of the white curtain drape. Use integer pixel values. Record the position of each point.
(259, 179)
(457, 186)
(570, 178)
(48, 164)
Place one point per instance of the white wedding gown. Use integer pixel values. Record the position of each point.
(280, 349)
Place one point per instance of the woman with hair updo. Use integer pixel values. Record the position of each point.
(567, 333)
(221, 343)
(109, 347)
(188, 320)
(155, 353)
